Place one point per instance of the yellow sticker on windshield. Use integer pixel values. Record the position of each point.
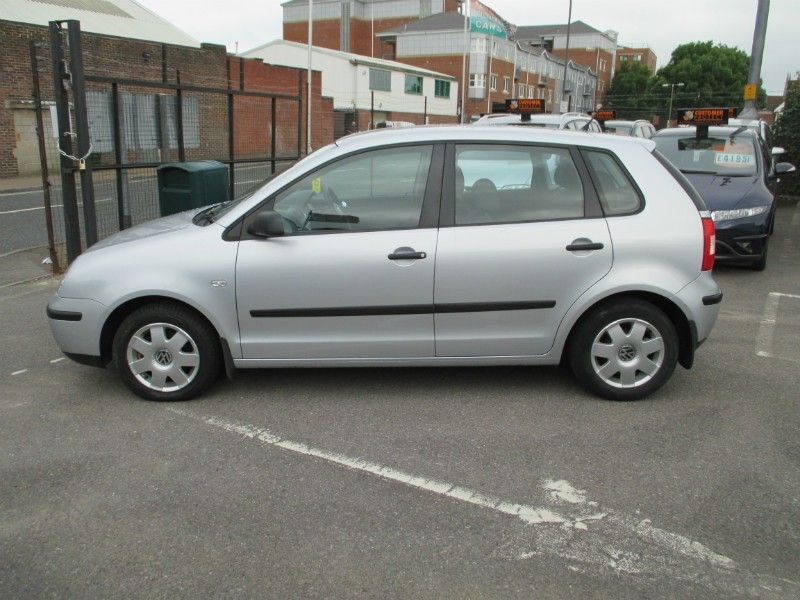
(316, 185)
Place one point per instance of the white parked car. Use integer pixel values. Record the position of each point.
(572, 121)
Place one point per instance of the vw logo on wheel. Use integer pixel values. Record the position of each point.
(163, 357)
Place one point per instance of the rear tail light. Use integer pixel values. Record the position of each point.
(709, 243)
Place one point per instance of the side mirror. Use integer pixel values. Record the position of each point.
(782, 168)
(266, 224)
(777, 151)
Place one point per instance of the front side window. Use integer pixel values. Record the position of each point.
(442, 89)
(506, 184)
(712, 155)
(413, 84)
(381, 189)
(618, 196)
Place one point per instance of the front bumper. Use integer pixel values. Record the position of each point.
(743, 239)
(76, 324)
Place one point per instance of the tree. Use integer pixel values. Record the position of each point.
(629, 91)
(712, 74)
(787, 135)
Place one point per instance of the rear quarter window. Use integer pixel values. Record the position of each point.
(618, 194)
(682, 180)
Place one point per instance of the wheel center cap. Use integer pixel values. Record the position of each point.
(163, 357)
(626, 352)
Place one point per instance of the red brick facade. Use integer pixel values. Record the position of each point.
(207, 66)
(643, 56)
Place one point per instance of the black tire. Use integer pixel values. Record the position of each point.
(623, 312)
(760, 263)
(203, 346)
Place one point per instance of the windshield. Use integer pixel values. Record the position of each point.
(619, 129)
(714, 155)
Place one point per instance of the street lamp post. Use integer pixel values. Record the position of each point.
(672, 87)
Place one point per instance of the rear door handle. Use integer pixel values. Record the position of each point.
(407, 254)
(583, 246)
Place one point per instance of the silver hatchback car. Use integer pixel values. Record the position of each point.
(427, 246)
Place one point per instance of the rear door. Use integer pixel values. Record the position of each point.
(522, 238)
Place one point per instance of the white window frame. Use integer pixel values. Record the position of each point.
(477, 80)
(493, 82)
(506, 85)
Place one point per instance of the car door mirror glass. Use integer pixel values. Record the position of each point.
(783, 168)
(266, 224)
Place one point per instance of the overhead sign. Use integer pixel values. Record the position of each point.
(705, 116)
(604, 115)
(486, 26)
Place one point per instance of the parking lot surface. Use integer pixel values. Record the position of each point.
(457, 482)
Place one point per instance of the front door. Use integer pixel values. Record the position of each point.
(521, 249)
(353, 275)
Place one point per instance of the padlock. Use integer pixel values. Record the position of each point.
(82, 164)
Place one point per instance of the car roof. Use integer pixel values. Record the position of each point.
(499, 133)
(717, 130)
(538, 118)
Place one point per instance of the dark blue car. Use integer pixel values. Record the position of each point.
(732, 170)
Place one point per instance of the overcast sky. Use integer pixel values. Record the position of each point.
(658, 24)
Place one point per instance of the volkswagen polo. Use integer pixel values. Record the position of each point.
(435, 246)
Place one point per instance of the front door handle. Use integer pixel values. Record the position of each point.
(407, 254)
(577, 246)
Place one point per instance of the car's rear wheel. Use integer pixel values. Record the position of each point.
(166, 352)
(624, 350)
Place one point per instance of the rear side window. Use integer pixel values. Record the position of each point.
(618, 196)
(681, 178)
(508, 184)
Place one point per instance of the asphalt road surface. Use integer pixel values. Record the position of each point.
(435, 483)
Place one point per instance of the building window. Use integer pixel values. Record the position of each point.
(521, 90)
(442, 89)
(638, 57)
(413, 85)
(477, 80)
(549, 95)
(506, 85)
(425, 9)
(494, 47)
(380, 80)
(623, 58)
(478, 45)
(508, 53)
(531, 92)
(493, 82)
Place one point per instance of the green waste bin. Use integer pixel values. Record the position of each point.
(187, 185)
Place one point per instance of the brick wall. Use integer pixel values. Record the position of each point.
(120, 58)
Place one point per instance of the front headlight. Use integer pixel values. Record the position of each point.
(739, 213)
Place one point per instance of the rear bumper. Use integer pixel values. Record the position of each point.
(702, 299)
(76, 324)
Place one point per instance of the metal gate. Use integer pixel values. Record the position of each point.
(112, 133)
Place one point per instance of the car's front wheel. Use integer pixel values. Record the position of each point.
(164, 351)
(624, 350)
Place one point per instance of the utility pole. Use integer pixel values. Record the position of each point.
(560, 97)
(672, 87)
(308, 76)
(751, 89)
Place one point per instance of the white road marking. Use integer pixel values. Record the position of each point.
(20, 372)
(56, 360)
(766, 330)
(567, 525)
(5, 194)
(22, 210)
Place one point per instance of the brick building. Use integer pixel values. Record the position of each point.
(497, 69)
(644, 56)
(349, 26)
(158, 53)
(588, 47)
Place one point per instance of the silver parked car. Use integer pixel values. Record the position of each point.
(425, 246)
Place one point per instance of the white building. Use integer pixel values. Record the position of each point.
(358, 84)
